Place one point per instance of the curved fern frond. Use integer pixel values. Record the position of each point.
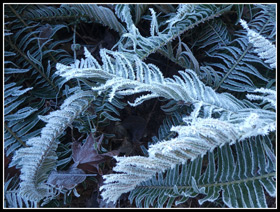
(49, 13)
(239, 170)
(40, 158)
(203, 134)
(194, 140)
(73, 13)
(124, 79)
(123, 12)
(242, 179)
(31, 50)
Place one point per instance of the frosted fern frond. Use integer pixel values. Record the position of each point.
(12, 198)
(126, 74)
(39, 158)
(263, 47)
(183, 11)
(221, 171)
(193, 141)
(123, 12)
(187, 17)
(268, 96)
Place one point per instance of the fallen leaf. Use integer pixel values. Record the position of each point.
(66, 179)
(86, 156)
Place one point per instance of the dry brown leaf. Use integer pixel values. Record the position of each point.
(86, 156)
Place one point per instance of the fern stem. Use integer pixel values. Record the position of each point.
(272, 174)
(218, 34)
(60, 18)
(14, 135)
(233, 67)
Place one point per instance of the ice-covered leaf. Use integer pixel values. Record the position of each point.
(66, 179)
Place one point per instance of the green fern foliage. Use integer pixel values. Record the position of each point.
(30, 82)
(19, 123)
(193, 141)
(238, 60)
(102, 15)
(69, 13)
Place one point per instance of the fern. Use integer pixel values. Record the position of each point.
(137, 12)
(133, 41)
(201, 134)
(120, 76)
(32, 58)
(35, 171)
(237, 68)
(75, 12)
(19, 118)
(224, 173)
(27, 57)
(214, 35)
(263, 47)
(12, 197)
(213, 144)
(101, 14)
(264, 20)
(192, 141)
(14, 120)
(237, 122)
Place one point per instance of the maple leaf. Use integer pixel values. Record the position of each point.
(86, 156)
